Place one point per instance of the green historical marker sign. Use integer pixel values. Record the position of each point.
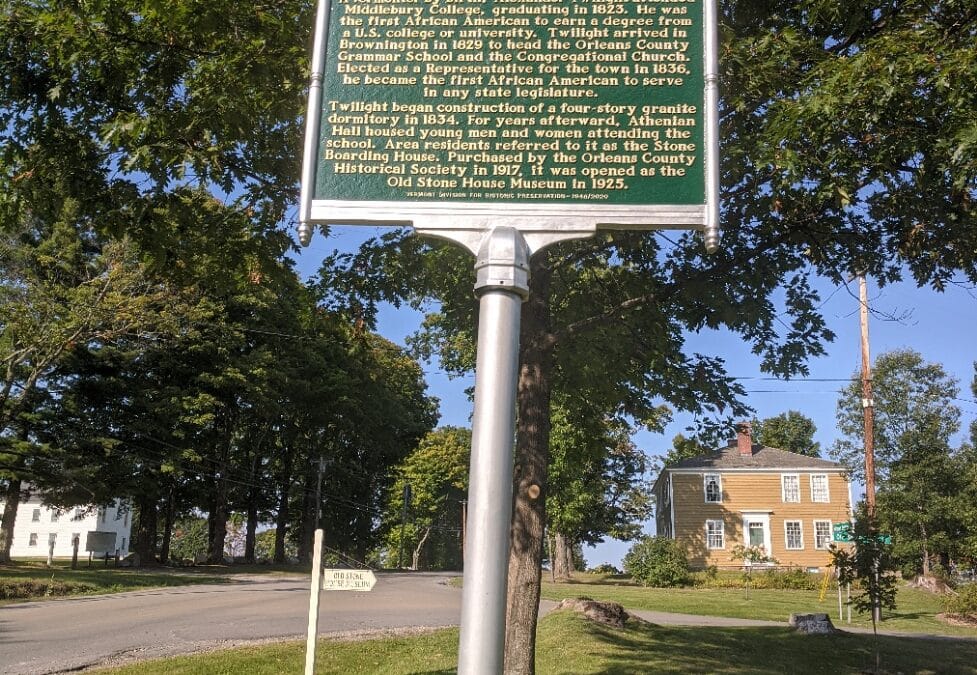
(841, 532)
(593, 105)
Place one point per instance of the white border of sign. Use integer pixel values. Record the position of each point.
(528, 218)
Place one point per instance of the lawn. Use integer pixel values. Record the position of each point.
(916, 610)
(569, 644)
(33, 580)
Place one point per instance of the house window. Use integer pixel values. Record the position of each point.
(79, 514)
(36, 516)
(791, 487)
(819, 488)
(33, 539)
(713, 487)
(795, 540)
(715, 538)
(54, 516)
(822, 534)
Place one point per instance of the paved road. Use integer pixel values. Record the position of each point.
(70, 634)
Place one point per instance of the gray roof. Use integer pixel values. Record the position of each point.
(763, 457)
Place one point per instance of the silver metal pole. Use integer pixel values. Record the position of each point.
(312, 120)
(711, 80)
(502, 266)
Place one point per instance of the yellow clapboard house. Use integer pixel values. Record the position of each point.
(751, 495)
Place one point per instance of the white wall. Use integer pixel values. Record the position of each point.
(37, 523)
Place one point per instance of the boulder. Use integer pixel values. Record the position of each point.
(607, 613)
(810, 624)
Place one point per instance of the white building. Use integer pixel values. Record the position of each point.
(38, 525)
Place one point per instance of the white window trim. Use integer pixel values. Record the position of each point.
(705, 491)
(762, 517)
(800, 525)
(828, 540)
(827, 489)
(783, 487)
(722, 534)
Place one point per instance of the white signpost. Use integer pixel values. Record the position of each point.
(329, 580)
(387, 145)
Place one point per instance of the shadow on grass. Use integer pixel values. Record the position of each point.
(648, 648)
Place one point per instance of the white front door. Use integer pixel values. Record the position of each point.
(756, 531)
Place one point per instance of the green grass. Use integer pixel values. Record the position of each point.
(916, 610)
(97, 579)
(571, 645)
(435, 652)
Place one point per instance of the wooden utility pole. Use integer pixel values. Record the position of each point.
(868, 403)
(868, 408)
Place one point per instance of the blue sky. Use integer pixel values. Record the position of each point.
(941, 326)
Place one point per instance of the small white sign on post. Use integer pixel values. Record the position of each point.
(348, 580)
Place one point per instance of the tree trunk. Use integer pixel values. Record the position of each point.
(164, 547)
(144, 540)
(10, 504)
(307, 524)
(281, 519)
(250, 534)
(529, 477)
(562, 558)
(217, 524)
(416, 556)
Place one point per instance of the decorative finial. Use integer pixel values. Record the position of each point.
(305, 234)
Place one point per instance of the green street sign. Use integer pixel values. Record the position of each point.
(603, 112)
(494, 100)
(841, 532)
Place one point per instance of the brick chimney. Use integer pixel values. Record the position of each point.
(744, 439)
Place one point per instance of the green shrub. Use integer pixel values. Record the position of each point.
(24, 589)
(657, 561)
(794, 579)
(963, 605)
(604, 568)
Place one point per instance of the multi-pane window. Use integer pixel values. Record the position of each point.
(33, 539)
(36, 516)
(819, 487)
(54, 516)
(795, 539)
(79, 514)
(791, 484)
(714, 488)
(715, 537)
(822, 534)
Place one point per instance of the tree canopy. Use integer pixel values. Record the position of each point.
(919, 474)
(791, 431)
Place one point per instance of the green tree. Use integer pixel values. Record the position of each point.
(189, 539)
(657, 561)
(919, 488)
(868, 568)
(598, 484)
(437, 473)
(685, 448)
(791, 431)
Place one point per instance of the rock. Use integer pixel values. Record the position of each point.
(607, 613)
(812, 624)
(931, 584)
